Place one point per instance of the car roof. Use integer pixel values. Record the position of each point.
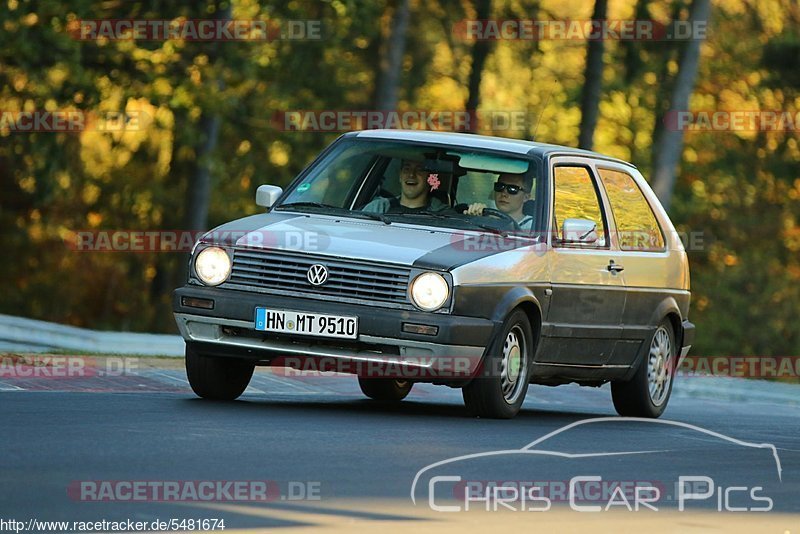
(515, 146)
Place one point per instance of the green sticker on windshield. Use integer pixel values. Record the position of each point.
(303, 188)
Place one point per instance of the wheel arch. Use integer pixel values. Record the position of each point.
(524, 299)
(668, 310)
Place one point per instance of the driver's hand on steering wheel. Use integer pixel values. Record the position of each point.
(475, 209)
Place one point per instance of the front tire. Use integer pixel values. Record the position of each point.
(648, 392)
(385, 389)
(500, 389)
(217, 378)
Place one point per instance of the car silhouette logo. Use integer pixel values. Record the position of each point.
(317, 274)
(533, 449)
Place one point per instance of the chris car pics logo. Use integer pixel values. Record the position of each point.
(445, 489)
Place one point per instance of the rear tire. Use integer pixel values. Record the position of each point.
(648, 392)
(385, 389)
(500, 389)
(217, 378)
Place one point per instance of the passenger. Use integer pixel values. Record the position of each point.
(416, 185)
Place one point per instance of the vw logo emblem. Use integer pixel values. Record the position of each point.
(317, 274)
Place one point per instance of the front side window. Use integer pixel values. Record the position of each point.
(637, 227)
(576, 198)
(335, 177)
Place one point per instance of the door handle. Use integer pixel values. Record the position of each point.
(614, 268)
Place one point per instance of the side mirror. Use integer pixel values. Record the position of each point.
(579, 231)
(266, 195)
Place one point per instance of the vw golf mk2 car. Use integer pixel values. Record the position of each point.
(474, 262)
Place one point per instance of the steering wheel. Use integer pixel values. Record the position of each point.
(490, 212)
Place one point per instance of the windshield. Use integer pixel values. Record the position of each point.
(422, 184)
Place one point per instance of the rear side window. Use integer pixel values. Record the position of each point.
(576, 198)
(637, 226)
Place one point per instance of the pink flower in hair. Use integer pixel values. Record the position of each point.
(433, 181)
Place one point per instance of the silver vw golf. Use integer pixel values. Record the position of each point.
(474, 262)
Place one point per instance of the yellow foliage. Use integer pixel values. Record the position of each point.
(244, 148)
(27, 184)
(162, 87)
(279, 154)
(62, 177)
(90, 194)
(94, 219)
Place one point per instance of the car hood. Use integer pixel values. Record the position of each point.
(343, 237)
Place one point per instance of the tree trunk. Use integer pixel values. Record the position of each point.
(632, 49)
(592, 83)
(668, 52)
(198, 195)
(389, 82)
(198, 187)
(198, 191)
(480, 51)
(669, 144)
(373, 58)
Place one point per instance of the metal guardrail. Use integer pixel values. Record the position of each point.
(30, 335)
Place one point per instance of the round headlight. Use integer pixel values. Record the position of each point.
(212, 265)
(429, 291)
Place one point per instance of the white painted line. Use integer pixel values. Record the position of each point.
(182, 381)
(286, 382)
(9, 387)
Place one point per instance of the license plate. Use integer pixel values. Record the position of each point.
(309, 324)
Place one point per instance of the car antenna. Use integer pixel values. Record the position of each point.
(546, 103)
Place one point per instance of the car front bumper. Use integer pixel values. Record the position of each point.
(228, 330)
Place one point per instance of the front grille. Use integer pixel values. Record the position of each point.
(347, 279)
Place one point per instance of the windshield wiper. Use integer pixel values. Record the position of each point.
(306, 205)
(503, 233)
(437, 215)
(344, 211)
(425, 213)
(369, 215)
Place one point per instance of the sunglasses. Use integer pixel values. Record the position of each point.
(511, 188)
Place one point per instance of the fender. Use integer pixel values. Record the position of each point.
(510, 300)
(513, 298)
(667, 306)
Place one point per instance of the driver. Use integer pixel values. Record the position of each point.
(511, 191)
(415, 193)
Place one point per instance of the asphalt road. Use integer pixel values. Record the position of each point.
(332, 458)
